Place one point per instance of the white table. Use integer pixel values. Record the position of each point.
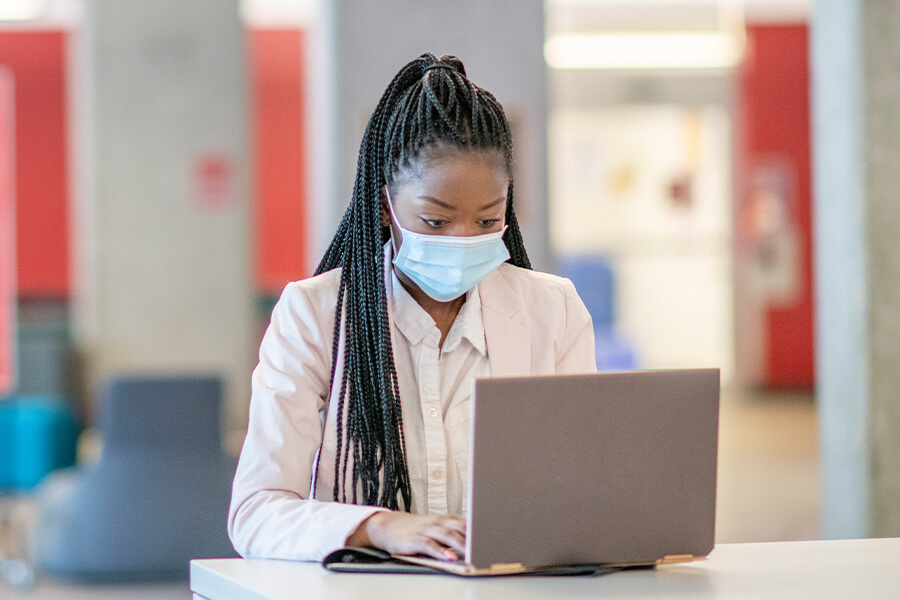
(826, 569)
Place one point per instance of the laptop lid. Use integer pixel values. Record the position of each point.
(594, 468)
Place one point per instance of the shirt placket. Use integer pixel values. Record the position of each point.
(435, 442)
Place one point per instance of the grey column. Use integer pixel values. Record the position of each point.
(363, 43)
(856, 141)
(162, 215)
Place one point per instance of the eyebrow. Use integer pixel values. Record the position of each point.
(449, 206)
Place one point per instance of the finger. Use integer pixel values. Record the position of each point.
(435, 550)
(450, 538)
(454, 522)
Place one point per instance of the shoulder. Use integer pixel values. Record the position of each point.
(322, 285)
(543, 296)
(535, 282)
(314, 296)
(561, 330)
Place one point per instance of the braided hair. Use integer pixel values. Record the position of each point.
(429, 105)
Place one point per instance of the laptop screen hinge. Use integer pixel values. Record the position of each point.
(498, 568)
(671, 559)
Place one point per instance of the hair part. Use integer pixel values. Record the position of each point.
(428, 109)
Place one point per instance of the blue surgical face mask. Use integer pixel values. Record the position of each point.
(446, 267)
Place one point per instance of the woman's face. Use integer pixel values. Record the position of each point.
(455, 192)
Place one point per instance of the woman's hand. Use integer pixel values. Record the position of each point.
(438, 536)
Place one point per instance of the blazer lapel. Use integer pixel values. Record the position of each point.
(507, 332)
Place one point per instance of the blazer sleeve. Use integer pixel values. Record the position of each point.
(271, 513)
(576, 352)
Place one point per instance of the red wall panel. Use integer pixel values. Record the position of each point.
(276, 59)
(37, 61)
(774, 113)
(7, 236)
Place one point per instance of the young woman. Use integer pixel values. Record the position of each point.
(359, 418)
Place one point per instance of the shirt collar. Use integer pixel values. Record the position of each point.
(415, 323)
(468, 325)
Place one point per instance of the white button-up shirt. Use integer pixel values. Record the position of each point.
(435, 389)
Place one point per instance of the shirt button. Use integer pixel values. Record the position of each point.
(432, 412)
(437, 474)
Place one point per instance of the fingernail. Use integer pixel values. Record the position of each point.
(451, 555)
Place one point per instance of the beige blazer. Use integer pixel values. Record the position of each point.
(534, 323)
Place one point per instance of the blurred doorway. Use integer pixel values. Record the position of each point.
(647, 187)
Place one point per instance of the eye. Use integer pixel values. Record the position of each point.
(488, 223)
(434, 223)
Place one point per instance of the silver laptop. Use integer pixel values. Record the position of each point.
(607, 468)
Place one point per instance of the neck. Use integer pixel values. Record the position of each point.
(443, 313)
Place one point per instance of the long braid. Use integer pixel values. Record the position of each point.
(430, 103)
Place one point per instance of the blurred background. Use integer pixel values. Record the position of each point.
(714, 175)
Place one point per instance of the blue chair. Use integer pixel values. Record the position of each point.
(594, 278)
(157, 498)
(38, 434)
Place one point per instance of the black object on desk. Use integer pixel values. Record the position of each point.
(373, 560)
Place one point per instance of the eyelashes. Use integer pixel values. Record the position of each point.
(438, 224)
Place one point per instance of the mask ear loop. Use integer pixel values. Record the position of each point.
(390, 204)
(394, 246)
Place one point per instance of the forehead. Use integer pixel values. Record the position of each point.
(451, 171)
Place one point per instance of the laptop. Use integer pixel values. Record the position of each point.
(611, 469)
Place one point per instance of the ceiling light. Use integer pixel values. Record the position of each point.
(644, 50)
(21, 10)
